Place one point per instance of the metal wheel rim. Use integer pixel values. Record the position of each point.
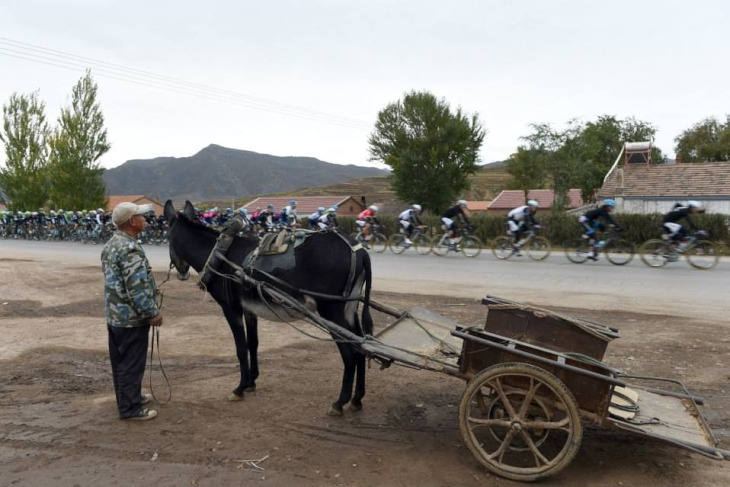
(577, 251)
(538, 248)
(708, 260)
(396, 244)
(621, 248)
(422, 244)
(502, 248)
(470, 246)
(654, 253)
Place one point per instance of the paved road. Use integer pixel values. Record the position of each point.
(676, 289)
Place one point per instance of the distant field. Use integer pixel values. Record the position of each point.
(485, 185)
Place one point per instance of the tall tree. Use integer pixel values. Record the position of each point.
(706, 141)
(77, 143)
(431, 150)
(24, 178)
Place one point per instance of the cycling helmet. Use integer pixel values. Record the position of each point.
(321, 208)
(270, 206)
(694, 204)
(461, 203)
(373, 208)
(609, 202)
(293, 202)
(52, 213)
(417, 207)
(533, 203)
(100, 210)
(335, 207)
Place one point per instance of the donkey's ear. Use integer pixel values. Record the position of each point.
(189, 210)
(169, 211)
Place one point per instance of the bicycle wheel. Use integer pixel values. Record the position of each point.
(397, 243)
(378, 243)
(502, 247)
(471, 246)
(538, 248)
(422, 244)
(577, 250)
(655, 253)
(702, 254)
(619, 252)
(440, 246)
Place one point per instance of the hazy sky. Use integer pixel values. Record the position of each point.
(308, 77)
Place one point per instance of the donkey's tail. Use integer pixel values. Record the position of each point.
(367, 319)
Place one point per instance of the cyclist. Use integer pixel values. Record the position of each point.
(460, 211)
(313, 219)
(591, 221)
(288, 215)
(409, 221)
(266, 219)
(329, 218)
(520, 219)
(365, 220)
(671, 225)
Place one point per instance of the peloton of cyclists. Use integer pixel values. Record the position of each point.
(409, 220)
(670, 222)
(594, 220)
(457, 212)
(520, 219)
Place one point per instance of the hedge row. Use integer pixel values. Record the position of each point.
(560, 228)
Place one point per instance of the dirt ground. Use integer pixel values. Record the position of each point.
(58, 423)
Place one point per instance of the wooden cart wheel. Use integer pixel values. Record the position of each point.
(520, 421)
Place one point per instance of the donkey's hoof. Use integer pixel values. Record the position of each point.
(355, 406)
(335, 410)
(250, 388)
(233, 397)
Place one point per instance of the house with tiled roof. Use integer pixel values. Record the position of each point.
(478, 206)
(137, 199)
(307, 205)
(510, 199)
(655, 188)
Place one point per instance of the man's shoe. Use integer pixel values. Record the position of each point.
(144, 414)
(516, 252)
(146, 399)
(408, 242)
(593, 257)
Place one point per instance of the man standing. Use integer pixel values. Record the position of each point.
(129, 299)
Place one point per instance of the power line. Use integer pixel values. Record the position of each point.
(52, 57)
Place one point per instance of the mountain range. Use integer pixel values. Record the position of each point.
(220, 172)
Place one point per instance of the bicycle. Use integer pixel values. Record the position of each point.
(469, 245)
(619, 251)
(377, 243)
(701, 254)
(419, 240)
(536, 247)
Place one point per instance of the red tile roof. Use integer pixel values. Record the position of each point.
(308, 204)
(509, 199)
(478, 205)
(677, 180)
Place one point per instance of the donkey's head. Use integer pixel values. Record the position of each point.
(181, 266)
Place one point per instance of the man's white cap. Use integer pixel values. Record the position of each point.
(123, 212)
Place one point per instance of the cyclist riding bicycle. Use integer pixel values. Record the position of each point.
(409, 220)
(365, 220)
(313, 219)
(288, 215)
(590, 221)
(670, 222)
(329, 218)
(520, 219)
(450, 216)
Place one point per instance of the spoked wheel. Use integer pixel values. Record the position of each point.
(619, 252)
(538, 248)
(440, 246)
(470, 246)
(520, 421)
(656, 253)
(378, 243)
(422, 244)
(702, 255)
(577, 250)
(502, 247)
(397, 243)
